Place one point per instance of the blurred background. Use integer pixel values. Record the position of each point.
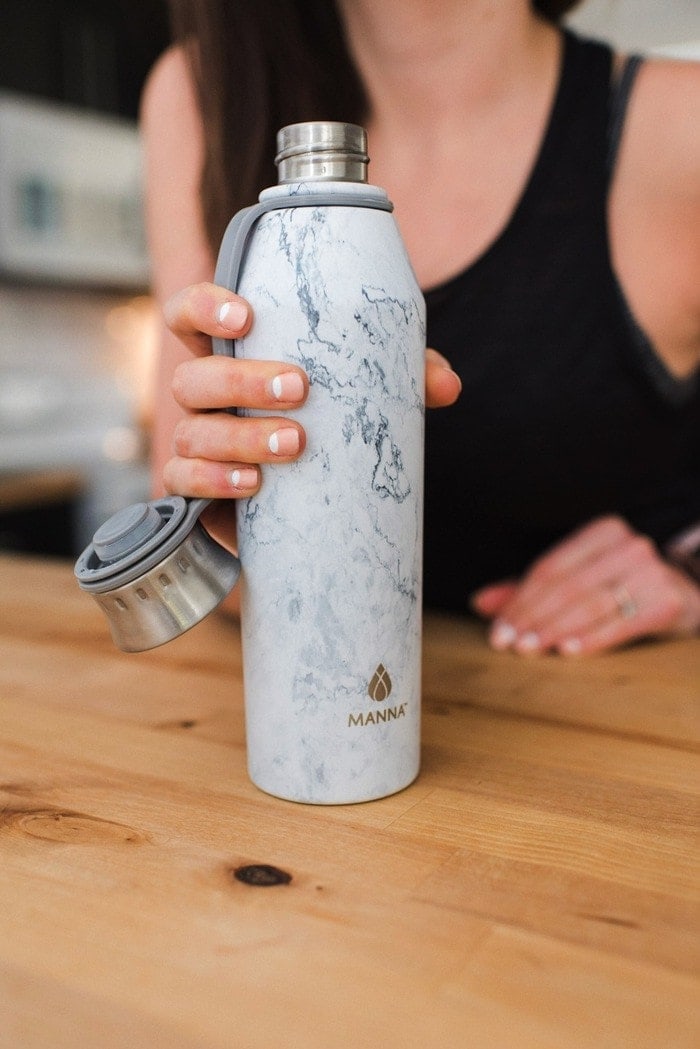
(78, 330)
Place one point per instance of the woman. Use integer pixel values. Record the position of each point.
(549, 200)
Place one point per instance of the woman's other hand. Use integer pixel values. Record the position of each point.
(602, 587)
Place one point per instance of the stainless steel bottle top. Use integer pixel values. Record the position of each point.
(322, 151)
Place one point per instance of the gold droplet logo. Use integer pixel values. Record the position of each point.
(380, 685)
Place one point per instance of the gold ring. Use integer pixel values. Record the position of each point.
(626, 604)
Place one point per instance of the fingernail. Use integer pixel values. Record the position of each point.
(529, 642)
(438, 358)
(244, 479)
(503, 635)
(571, 646)
(288, 387)
(284, 442)
(232, 315)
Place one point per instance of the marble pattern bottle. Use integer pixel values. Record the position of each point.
(331, 546)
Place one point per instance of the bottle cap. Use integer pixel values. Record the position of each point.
(155, 572)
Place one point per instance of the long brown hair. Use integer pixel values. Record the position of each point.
(259, 65)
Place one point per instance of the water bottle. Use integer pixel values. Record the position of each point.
(330, 547)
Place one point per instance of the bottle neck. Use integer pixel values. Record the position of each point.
(322, 151)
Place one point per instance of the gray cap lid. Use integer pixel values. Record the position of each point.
(125, 531)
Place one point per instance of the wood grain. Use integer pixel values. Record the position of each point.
(536, 887)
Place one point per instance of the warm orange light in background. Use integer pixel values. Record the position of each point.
(132, 329)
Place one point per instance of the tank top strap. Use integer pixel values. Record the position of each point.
(619, 101)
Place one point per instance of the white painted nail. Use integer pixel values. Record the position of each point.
(529, 642)
(232, 315)
(571, 646)
(243, 479)
(288, 387)
(284, 441)
(502, 635)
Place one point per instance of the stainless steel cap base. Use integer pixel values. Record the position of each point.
(155, 572)
(173, 597)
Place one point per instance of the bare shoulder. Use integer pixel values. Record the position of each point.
(661, 137)
(169, 115)
(168, 88)
(654, 209)
(171, 130)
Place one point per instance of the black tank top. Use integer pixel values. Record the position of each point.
(566, 413)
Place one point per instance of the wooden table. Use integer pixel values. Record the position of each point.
(536, 887)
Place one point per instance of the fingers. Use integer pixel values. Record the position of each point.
(223, 382)
(203, 310)
(208, 479)
(663, 600)
(442, 385)
(572, 583)
(223, 438)
(491, 599)
(217, 455)
(603, 587)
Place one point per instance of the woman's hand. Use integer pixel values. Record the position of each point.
(602, 587)
(217, 454)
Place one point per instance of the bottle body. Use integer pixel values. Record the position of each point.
(331, 546)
